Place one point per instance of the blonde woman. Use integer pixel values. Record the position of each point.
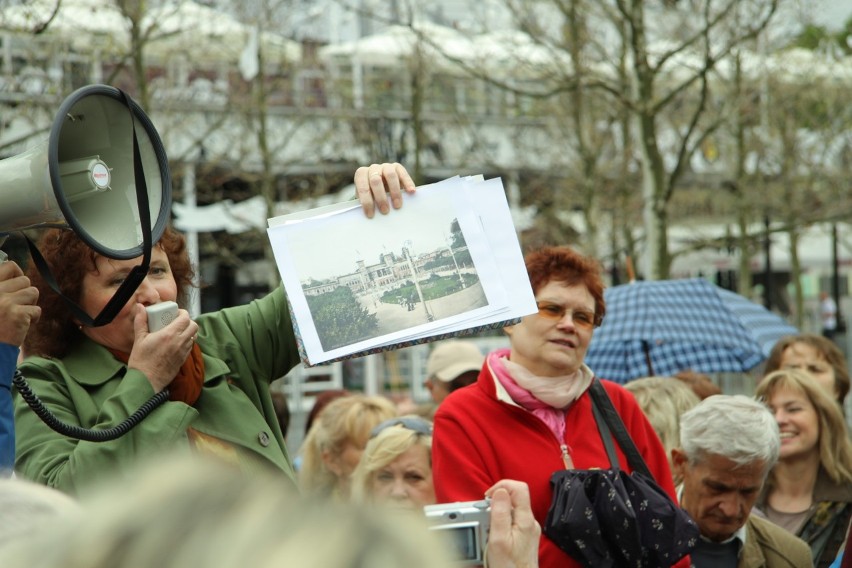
(333, 446)
(664, 400)
(396, 466)
(809, 491)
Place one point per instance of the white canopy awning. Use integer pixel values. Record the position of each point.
(395, 46)
(205, 34)
(86, 24)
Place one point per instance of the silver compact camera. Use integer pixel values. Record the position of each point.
(465, 525)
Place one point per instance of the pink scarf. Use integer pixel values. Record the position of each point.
(546, 397)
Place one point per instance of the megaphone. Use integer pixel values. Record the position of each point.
(82, 176)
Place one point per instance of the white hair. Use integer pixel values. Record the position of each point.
(735, 427)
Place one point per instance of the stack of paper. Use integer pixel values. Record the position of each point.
(447, 263)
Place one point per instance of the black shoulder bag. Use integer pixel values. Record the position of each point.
(608, 517)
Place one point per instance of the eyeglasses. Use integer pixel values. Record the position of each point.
(583, 319)
(418, 425)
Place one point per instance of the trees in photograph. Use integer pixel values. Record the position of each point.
(340, 319)
(439, 286)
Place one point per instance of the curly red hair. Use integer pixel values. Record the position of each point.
(564, 264)
(69, 260)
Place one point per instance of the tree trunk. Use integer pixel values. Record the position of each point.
(418, 85)
(744, 243)
(656, 265)
(654, 214)
(267, 175)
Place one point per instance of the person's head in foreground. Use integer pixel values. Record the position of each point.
(569, 294)
(396, 466)
(26, 507)
(728, 445)
(204, 514)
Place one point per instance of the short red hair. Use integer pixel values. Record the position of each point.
(564, 264)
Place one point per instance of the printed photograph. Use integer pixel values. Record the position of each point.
(363, 287)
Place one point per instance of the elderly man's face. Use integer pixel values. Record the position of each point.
(717, 493)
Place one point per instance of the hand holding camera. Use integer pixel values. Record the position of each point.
(501, 527)
(515, 534)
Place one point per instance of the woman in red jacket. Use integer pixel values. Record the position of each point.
(529, 414)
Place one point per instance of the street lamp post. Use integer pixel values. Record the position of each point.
(407, 250)
(835, 286)
(452, 254)
(189, 201)
(767, 248)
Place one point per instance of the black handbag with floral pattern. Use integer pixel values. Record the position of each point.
(609, 518)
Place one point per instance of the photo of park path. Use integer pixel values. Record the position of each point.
(396, 317)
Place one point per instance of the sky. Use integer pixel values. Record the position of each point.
(829, 13)
(427, 227)
(326, 18)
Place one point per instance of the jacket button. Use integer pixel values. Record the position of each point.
(263, 438)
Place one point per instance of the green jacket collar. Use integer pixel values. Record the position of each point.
(92, 364)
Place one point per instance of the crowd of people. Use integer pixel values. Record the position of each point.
(207, 479)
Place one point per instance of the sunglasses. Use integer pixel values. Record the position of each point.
(582, 319)
(418, 425)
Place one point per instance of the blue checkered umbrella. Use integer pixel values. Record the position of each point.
(662, 327)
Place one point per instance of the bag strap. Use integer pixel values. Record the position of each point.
(602, 406)
(606, 436)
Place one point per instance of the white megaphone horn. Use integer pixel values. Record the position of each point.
(82, 176)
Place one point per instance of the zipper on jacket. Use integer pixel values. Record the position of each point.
(566, 456)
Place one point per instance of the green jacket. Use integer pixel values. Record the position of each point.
(244, 348)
